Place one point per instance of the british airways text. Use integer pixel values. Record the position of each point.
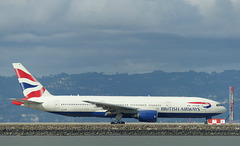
(180, 109)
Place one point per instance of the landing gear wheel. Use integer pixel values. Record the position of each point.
(206, 122)
(207, 118)
(121, 122)
(118, 119)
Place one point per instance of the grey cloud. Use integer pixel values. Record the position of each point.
(178, 16)
(143, 53)
(119, 36)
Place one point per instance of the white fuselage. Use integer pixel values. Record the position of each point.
(179, 107)
(145, 109)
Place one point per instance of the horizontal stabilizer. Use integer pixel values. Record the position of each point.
(21, 101)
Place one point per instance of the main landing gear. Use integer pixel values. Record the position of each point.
(118, 119)
(121, 122)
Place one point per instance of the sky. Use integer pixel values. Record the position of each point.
(119, 36)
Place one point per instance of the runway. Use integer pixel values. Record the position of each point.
(106, 129)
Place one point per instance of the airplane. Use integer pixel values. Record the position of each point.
(143, 108)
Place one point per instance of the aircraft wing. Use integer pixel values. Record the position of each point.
(114, 109)
(25, 101)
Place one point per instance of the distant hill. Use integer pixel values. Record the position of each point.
(158, 83)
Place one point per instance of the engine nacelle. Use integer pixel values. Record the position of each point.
(147, 116)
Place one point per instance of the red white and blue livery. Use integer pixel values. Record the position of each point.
(143, 108)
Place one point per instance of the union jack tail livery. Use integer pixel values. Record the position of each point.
(30, 86)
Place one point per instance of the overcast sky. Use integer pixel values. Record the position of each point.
(124, 36)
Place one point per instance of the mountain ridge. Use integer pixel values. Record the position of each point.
(213, 86)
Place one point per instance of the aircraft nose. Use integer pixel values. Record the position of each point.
(222, 109)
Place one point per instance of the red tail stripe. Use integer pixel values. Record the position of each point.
(37, 93)
(22, 74)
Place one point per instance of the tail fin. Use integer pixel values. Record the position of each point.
(30, 86)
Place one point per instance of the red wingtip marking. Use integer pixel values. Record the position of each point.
(18, 102)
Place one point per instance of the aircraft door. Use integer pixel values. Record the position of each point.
(57, 105)
(203, 108)
(168, 104)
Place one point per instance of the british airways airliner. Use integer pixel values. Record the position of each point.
(143, 108)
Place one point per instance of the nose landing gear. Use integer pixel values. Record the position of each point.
(206, 121)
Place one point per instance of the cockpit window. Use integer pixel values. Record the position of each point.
(219, 104)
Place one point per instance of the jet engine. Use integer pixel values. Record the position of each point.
(147, 116)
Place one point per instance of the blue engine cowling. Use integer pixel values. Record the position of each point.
(147, 116)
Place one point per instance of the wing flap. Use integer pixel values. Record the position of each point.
(113, 108)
